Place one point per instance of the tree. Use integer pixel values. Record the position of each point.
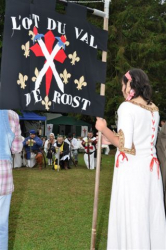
(137, 38)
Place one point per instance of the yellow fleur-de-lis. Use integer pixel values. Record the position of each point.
(74, 58)
(31, 34)
(65, 76)
(80, 83)
(46, 102)
(26, 49)
(22, 80)
(67, 42)
(36, 75)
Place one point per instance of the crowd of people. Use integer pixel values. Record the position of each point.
(60, 151)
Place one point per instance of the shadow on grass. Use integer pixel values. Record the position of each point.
(18, 198)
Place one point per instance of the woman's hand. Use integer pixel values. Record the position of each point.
(104, 140)
(101, 124)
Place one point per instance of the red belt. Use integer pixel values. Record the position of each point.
(154, 160)
(90, 147)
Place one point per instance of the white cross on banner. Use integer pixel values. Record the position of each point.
(60, 49)
(49, 63)
(84, 131)
(49, 129)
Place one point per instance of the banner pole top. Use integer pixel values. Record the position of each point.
(106, 8)
(104, 14)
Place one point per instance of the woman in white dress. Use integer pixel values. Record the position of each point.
(137, 218)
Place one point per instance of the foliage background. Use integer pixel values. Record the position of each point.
(137, 38)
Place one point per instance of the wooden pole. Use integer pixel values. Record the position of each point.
(96, 194)
(88, 153)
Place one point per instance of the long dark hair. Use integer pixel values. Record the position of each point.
(140, 84)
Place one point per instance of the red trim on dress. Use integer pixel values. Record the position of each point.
(154, 159)
(124, 157)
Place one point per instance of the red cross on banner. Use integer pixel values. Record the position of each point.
(38, 51)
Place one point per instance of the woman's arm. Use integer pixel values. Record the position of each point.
(101, 125)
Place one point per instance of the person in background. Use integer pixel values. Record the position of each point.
(162, 122)
(89, 144)
(62, 152)
(73, 147)
(161, 153)
(137, 217)
(10, 143)
(32, 145)
(48, 148)
(44, 140)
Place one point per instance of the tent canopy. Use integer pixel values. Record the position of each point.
(67, 120)
(31, 116)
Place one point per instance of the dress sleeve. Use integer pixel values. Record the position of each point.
(17, 145)
(126, 128)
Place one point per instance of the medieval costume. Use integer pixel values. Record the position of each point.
(89, 144)
(49, 148)
(137, 216)
(32, 145)
(73, 148)
(61, 150)
(161, 152)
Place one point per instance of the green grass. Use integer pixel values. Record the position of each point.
(53, 210)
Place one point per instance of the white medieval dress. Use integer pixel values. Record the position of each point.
(90, 151)
(137, 218)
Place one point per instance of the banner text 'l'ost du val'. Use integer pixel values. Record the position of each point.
(49, 60)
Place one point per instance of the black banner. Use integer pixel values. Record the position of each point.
(49, 60)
